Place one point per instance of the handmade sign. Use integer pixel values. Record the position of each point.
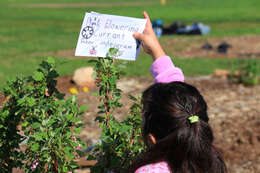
(100, 32)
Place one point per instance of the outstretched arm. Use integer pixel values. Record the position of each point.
(162, 69)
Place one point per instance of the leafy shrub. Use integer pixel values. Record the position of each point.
(120, 141)
(48, 124)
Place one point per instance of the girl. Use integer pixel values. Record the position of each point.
(175, 121)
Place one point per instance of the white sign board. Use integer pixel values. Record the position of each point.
(100, 32)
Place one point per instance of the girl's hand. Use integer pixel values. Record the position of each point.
(149, 40)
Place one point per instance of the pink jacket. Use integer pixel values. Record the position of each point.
(163, 71)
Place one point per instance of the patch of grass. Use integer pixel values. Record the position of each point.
(202, 66)
(141, 67)
(63, 1)
(234, 28)
(190, 66)
(11, 68)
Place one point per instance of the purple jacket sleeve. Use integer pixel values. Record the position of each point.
(164, 71)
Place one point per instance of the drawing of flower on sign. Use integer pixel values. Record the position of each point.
(93, 50)
(93, 24)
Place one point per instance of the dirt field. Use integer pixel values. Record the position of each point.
(247, 46)
(234, 112)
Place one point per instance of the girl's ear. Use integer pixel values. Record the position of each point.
(152, 138)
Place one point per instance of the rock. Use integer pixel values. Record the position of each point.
(83, 77)
(221, 72)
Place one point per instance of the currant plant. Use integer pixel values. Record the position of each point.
(38, 117)
(120, 141)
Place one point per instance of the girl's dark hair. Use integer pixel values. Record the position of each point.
(186, 147)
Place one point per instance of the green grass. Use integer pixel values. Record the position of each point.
(190, 67)
(26, 31)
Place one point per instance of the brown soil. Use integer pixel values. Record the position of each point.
(191, 47)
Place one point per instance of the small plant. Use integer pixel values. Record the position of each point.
(120, 141)
(36, 114)
(246, 72)
(250, 73)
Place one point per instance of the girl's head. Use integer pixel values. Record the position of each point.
(167, 107)
(171, 136)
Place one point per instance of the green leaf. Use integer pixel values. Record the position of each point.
(124, 129)
(60, 96)
(51, 60)
(35, 147)
(68, 134)
(73, 98)
(74, 144)
(76, 119)
(112, 52)
(44, 122)
(30, 87)
(30, 101)
(36, 125)
(44, 134)
(64, 168)
(91, 157)
(53, 74)
(5, 114)
(74, 166)
(51, 121)
(82, 109)
(132, 97)
(57, 131)
(25, 123)
(77, 130)
(101, 106)
(37, 137)
(69, 117)
(66, 149)
(38, 76)
(21, 101)
(99, 119)
(69, 155)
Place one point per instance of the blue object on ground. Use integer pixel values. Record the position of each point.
(158, 27)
